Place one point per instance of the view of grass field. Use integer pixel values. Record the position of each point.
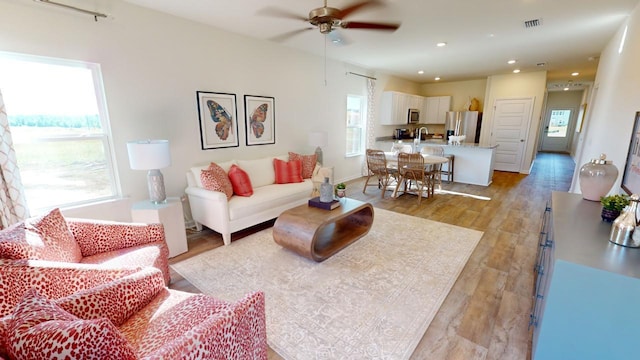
(61, 170)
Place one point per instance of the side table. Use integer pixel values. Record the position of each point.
(170, 215)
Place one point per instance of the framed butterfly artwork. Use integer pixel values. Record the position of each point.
(260, 121)
(218, 118)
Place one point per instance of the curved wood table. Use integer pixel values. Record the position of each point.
(317, 234)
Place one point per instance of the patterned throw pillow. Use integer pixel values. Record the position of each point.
(216, 179)
(16, 242)
(240, 181)
(308, 163)
(59, 243)
(288, 171)
(40, 329)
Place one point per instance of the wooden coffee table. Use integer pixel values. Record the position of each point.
(318, 234)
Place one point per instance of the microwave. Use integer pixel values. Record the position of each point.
(414, 116)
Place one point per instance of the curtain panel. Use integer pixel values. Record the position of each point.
(13, 204)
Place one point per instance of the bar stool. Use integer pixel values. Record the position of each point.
(449, 171)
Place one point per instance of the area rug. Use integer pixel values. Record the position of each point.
(373, 300)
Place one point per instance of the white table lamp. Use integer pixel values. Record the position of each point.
(318, 139)
(151, 155)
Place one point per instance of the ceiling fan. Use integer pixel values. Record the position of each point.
(328, 19)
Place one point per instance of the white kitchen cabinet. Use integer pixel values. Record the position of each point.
(435, 109)
(415, 102)
(394, 108)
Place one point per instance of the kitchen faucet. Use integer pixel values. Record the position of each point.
(426, 132)
(416, 141)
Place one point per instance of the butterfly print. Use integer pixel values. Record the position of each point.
(222, 118)
(257, 119)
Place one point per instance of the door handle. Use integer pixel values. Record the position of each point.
(521, 140)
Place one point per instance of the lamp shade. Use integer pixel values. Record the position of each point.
(318, 138)
(148, 154)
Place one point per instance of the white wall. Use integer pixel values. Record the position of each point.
(614, 102)
(153, 64)
(522, 85)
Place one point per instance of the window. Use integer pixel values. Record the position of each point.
(59, 127)
(356, 124)
(558, 123)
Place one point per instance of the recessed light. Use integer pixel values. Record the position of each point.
(511, 62)
(566, 89)
(575, 74)
(421, 72)
(441, 44)
(437, 78)
(516, 71)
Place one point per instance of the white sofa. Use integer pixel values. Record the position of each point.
(269, 200)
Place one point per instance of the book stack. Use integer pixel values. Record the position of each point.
(315, 202)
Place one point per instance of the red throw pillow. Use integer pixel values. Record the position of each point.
(216, 179)
(287, 171)
(308, 163)
(240, 181)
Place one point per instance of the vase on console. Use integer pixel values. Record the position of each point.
(597, 177)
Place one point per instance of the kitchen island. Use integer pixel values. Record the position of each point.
(474, 163)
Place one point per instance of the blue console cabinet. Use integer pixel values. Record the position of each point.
(586, 290)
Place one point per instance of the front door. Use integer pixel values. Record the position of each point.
(558, 127)
(512, 118)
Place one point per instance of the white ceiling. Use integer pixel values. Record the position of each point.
(481, 35)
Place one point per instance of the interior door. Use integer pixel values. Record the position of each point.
(558, 127)
(512, 118)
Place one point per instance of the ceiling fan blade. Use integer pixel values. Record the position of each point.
(369, 26)
(288, 35)
(280, 13)
(357, 6)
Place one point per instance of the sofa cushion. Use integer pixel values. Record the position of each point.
(59, 243)
(260, 171)
(240, 181)
(41, 329)
(268, 197)
(309, 163)
(215, 178)
(287, 171)
(197, 170)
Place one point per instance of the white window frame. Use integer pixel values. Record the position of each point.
(362, 126)
(105, 136)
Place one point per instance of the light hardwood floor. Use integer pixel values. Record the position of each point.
(486, 314)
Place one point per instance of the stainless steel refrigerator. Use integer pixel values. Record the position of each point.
(466, 123)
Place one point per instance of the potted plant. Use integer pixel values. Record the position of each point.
(612, 205)
(341, 190)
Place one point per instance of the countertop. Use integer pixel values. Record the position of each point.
(440, 142)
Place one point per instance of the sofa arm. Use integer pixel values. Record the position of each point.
(52, 279)
(211, 195)
(97, 236)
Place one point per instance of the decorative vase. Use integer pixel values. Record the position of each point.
(609, 215)
(341, 192)
(597, 177)
(326, 191)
